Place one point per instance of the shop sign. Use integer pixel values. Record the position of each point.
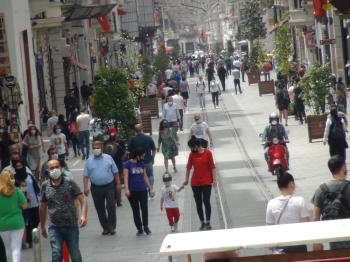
(310, 41)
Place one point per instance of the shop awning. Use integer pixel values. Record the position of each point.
(80, 12)
(341, 5)
(78, 64)
(285, 20)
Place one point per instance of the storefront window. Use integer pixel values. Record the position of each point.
(4, 56)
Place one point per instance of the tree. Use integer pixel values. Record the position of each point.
(161, 60)
(176, 50)
(113, 102)
(284, 49)
(146, 71)
(216, 47)
(229, 48)
(252, 26)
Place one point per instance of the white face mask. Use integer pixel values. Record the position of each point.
(170, 103)
(274, 122)
(96, 151)
(23, 189)
(58, 131)
(32, 132)
(198, 121)
(54, 156)
(55, 173)
(167, 183)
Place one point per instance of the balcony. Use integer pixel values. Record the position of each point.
(302, 16)
(45, 14)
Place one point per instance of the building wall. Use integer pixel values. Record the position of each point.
(17, 19)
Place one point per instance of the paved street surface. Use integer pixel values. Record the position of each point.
(244, 203)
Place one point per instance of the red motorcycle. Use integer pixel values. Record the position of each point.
(277, 157)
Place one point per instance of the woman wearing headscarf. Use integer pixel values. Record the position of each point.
(12, 201)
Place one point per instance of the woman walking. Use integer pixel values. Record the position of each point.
(282, 102)
(215, 92)
(136, 183)
(169, 141)
(203, 178)
(200, 92)
(12, 202)
(33, 142)
(185, 90)
(342, 95)
(58, 140)
(299, 103)
(73, 135)
(201, 131)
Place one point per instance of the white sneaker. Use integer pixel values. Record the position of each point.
(172, 229)
(149, 198)
(175, 226)
(217, 107)
(203, 108)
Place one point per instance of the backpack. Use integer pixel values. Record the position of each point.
(335, 205)
(199, 83)
(337, 129)
(286, 99)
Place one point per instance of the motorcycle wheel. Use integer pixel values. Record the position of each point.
(277, 171)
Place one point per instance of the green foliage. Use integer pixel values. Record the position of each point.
(176, 50)
(113, 102)
(146, 70)
(161, 60)
(251, 23)
(284, 49)
(229, 48)
(216, 47)
(256, 56)
(315, 85)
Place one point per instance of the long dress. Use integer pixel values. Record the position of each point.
(168, 141)
(33, 156)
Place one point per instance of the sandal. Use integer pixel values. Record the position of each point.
(175, 170)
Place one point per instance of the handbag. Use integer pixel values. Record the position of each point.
(291, 107)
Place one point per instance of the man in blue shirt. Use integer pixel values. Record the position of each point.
(103, 174)
(147, 143)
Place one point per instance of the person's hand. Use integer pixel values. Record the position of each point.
(214, 183)
(86, 191)
(161, 208)
(317, 247)
(185, 183)
(43, 232)
(29, 198)
(127, 193)
(44, 150)
(324, 142)
(83, 221)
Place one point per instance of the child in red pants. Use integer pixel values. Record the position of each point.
(169, 200)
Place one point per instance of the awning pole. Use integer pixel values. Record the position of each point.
(170, 258)
(189, 258)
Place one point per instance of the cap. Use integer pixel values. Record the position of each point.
(112, 131)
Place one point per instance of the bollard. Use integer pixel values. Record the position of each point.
(36, 245)
(65, 252)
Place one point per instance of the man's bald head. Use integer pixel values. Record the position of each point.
(138, 129)
(54, 163)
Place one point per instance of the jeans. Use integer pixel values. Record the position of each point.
(196, 69)
(173, 125)
(13, 244)
(267, 75)
(222, 80)
(237, 83)
(70, 235)
(202, 99)
(149, 171)
(201, 195)
(215, 96)
(104, 199)
(183, 74)
(139, 199)
(182, 118)
(228, 69)
(84, 135)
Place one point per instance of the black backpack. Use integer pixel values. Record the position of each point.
(337, 131)
(335, 205)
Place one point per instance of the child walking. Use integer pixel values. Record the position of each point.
(169, 200)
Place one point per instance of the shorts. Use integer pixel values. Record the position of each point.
(281, 108)
(184, 95)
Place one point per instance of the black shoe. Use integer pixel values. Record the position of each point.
(208, 226)
(147, 231)
(203, 226)
(30, 245)
(84, 156)
(119, 204)
(139, 232)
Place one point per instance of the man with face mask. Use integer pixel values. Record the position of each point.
(44, 172)
(171, 114)
(326, 193)
(57, 198)
(15, 156)
(274, 130)
(103, 174)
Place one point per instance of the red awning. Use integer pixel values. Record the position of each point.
(78, 64)
(121, 11)
(104, 22)
(285, 20)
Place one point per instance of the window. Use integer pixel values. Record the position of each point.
(4, 56)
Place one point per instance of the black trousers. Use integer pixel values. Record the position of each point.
(215, 96)
(139, 199)
(201, 196)
(68, 112)
(104, 200)
(337, 147)
(209, 80)
(2, 251)
(222, 80)
(182, 118)
(242, 76)
(228, 69)
(237, 83)
(34, 221)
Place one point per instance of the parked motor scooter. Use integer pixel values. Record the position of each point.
(277, 157)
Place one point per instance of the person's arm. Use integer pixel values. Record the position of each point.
(84, 208)
(78, 125)
(209, 135)
(188, 88)
(86, 186)
(326, 131)
(343, 125)
(48, 130)
(178, 115)
(126, 181)
(42, 215)
(304, 219)
(145, 177)
(161, 203)
(25, 141)
(213, 173)
(183, 106)
(180, 188)
(316, 217)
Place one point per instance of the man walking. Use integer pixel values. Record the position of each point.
(222, 73)
(69, 103)
(236, 80)
(325, 206)
(209, 73)
(83, 121)
(147, 143)
(51, 122)
(84, 91)
(242, 68)
(228, 65)
(103, 174)
(57, 197)
(171, 114)
(179, 101)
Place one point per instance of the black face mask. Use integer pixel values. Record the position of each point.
(13, 163)
(21, 173)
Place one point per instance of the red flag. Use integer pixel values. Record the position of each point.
(103, 21)
(90, 23)
(318, 7)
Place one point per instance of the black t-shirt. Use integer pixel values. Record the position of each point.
(4, 149)
(84, 90)
(221, 72)
(210, 72)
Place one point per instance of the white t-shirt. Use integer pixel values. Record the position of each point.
(83, 121)
(166, 90)
(200, 87)
(57, 141)
(175, 68)
(214, 86)
(178, 101)
(200, 130)
(168, 73)
(169, 194)
(295, 210)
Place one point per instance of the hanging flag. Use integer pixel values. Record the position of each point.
(327, 6)
(90, 23)
(103, 21)
(120, 10)
(318, 11)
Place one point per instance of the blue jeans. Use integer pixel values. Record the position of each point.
(84, 135)
(149, 170)
(202, 99)
(70, 235)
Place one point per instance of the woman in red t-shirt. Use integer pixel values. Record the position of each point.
(203, 178)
